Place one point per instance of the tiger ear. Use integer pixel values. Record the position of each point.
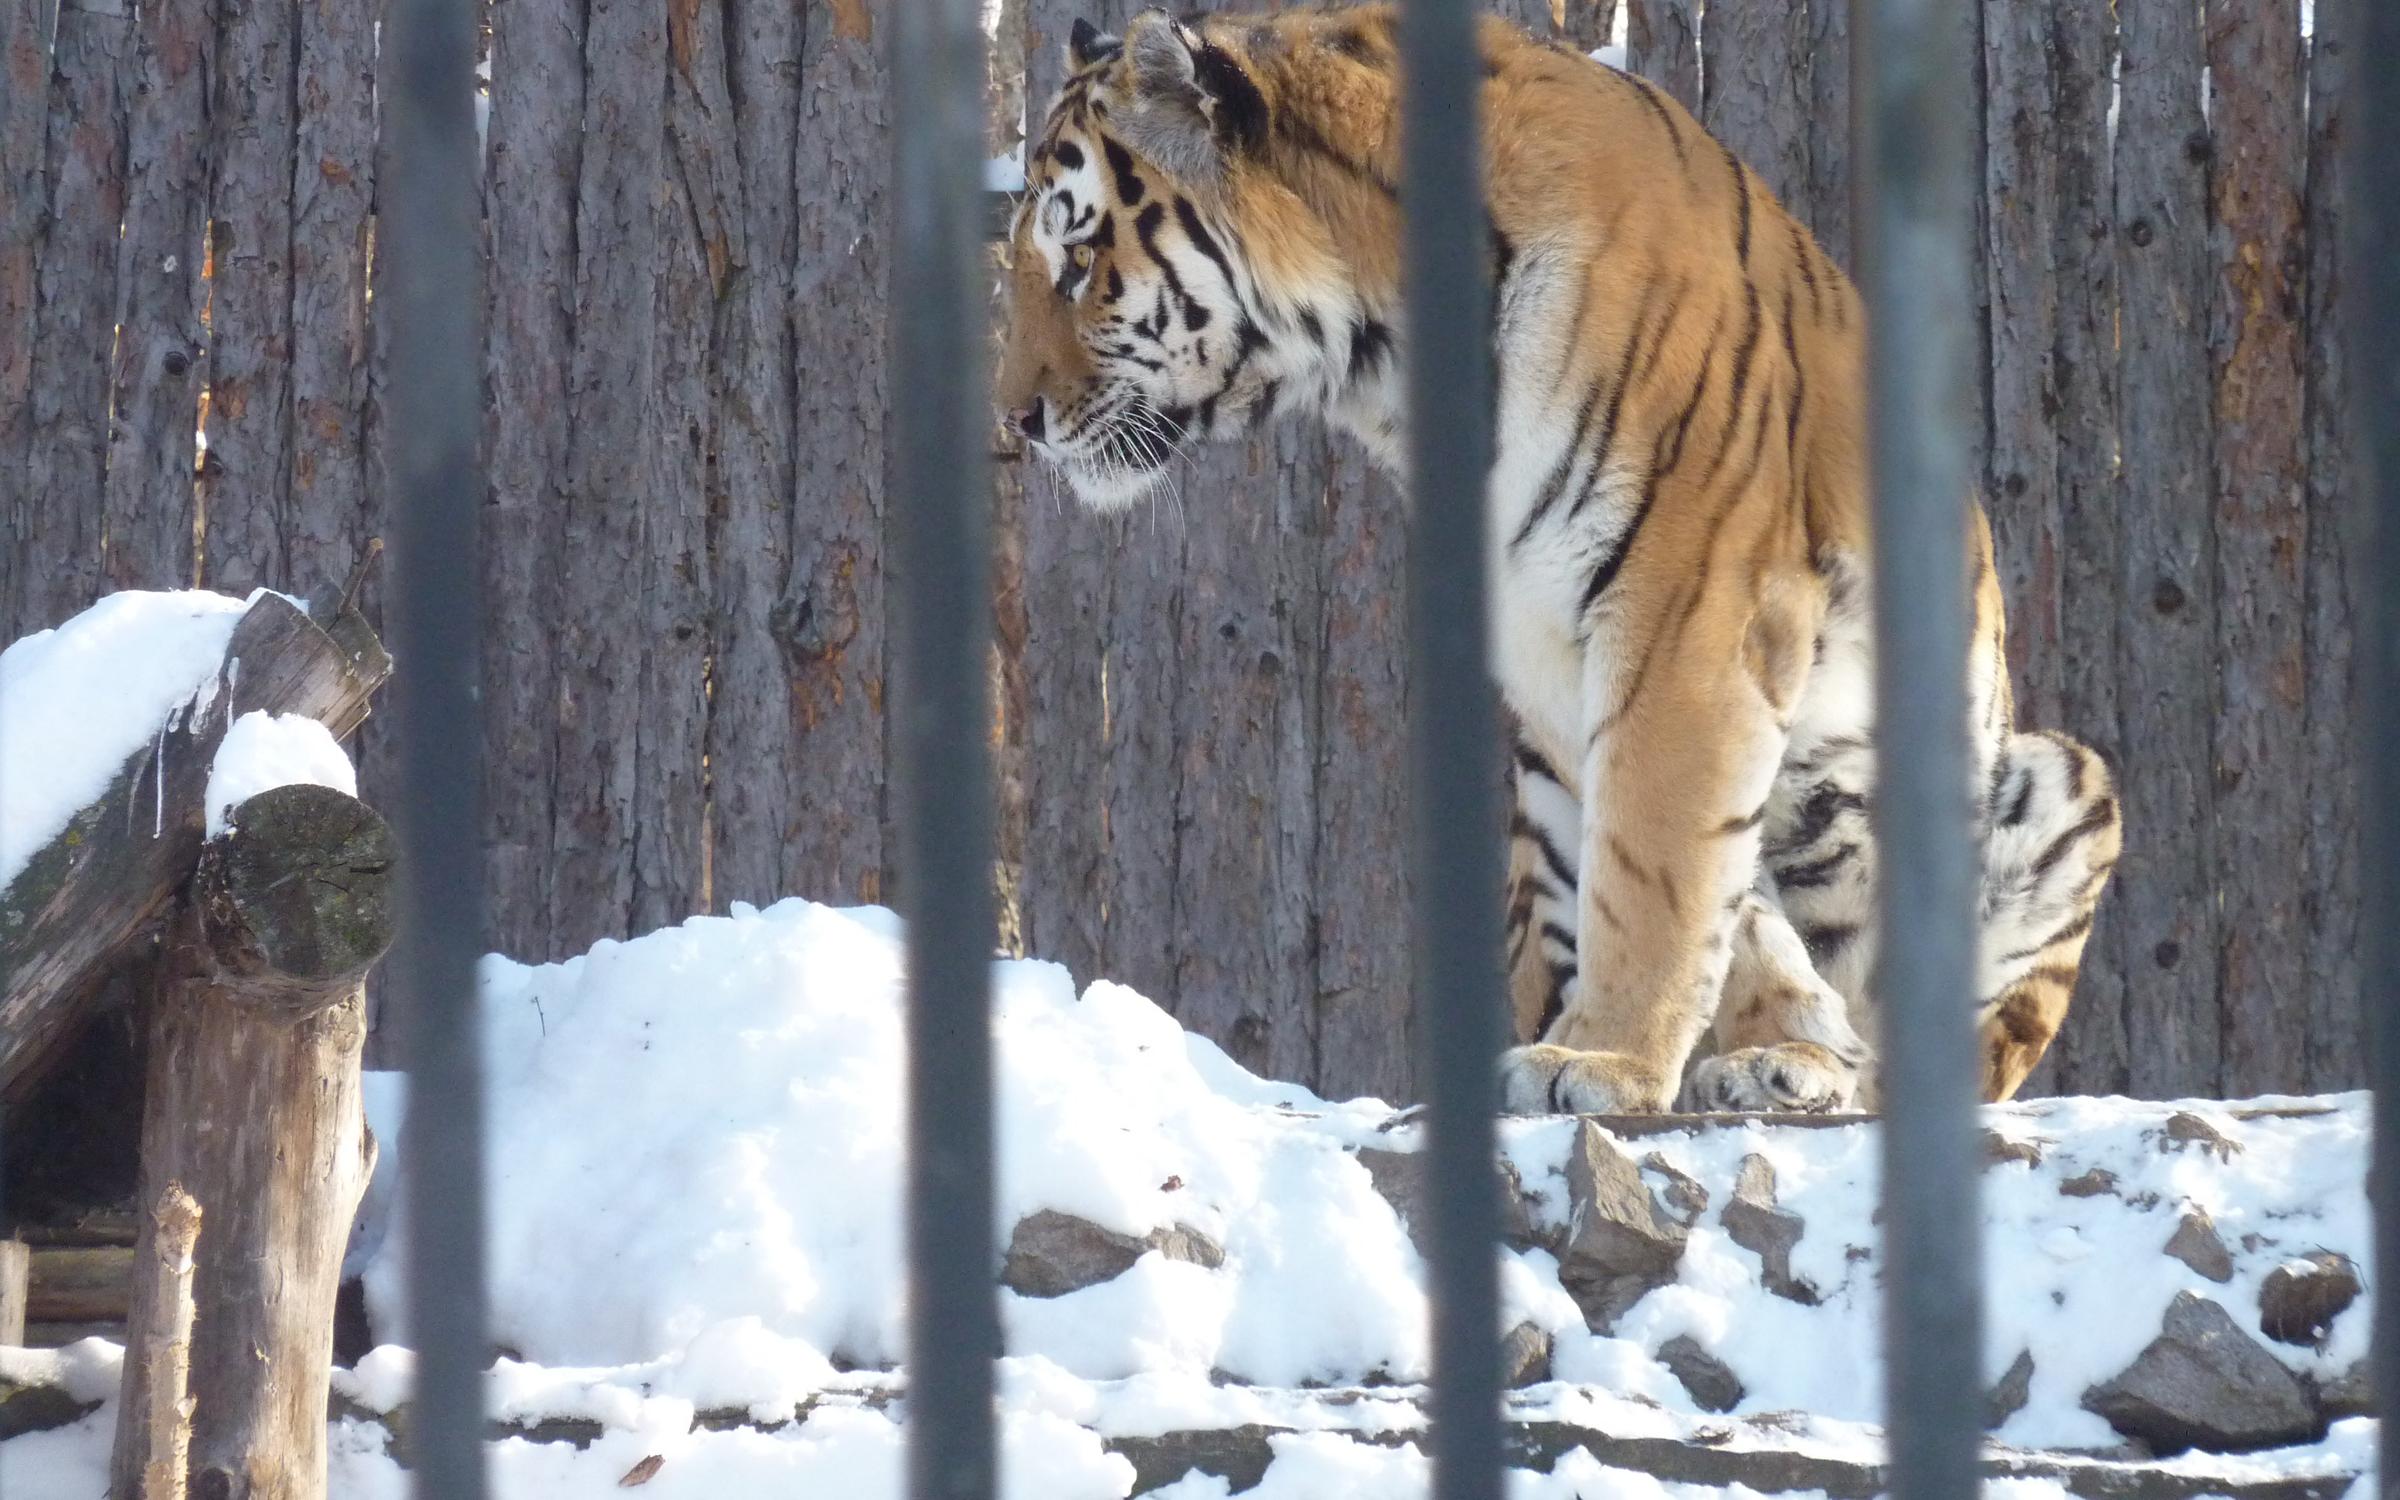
(1088, 44)
(1193, 105)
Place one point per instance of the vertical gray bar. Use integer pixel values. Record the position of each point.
(941, 436)
(2371, 308)
(1916, 90)
(429, 292)
(1455, 813)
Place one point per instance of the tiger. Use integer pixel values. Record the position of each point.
(1208, 239)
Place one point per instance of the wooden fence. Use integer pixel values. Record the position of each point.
(689, 233)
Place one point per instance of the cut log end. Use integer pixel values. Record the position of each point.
(296, 895)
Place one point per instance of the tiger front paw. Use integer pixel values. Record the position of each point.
(1547, 1080)
(1790, 1077)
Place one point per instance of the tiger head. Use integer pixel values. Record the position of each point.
(1166, 281)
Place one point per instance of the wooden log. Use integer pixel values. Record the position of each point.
(79, 1283)
(166, 1347)
(254, 1106)
(14, 1257)
(113, 870)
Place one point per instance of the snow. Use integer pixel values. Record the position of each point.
(77, 701)
(1006, 174)
(262, 751)
(695, 1208)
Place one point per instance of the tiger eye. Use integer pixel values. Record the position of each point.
(1082, 256)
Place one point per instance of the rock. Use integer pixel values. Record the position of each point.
(1051, 1254)
(1998, 1148)
(2091, 1184)
(1525, 1355)
(2349, 1394)
(2300, 1298)
(1396, 1177)
(1713, 1386)
(1620, 1244)
(1687, 1198)
(2203, 1383)
(2007, 1398)
(1753, 1221)
(2186, 1129)
(2196, 1244)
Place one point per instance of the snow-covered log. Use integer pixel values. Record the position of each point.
(254, 1107)
(90, 890)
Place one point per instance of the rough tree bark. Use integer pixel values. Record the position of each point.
(2164, 894)
(2091, 1052)
(536, 150)
(2259, 526)
(829, 620)
(2335, 1027)
(609, 468)
(58, 559)
(162, 348)
(26, 28)
(246, 476)
(1662, 44)
(96, 885)
(254, 1107)
(756, 781)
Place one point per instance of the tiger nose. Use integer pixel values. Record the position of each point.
(1026, 421)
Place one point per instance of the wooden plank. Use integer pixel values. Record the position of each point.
(2165, 891)
(1067, 883)
(27, 29)
(1247, 877)
(332, 199)
(246, 475)
(162, 349)
(1830, 189)
(1662, 44)
(832, 623)
(753, 736)
(1755, 92)
(1586, 25)
(2091, 1054)
(698, 209)
(2020, 218)
(609, 469)
(2336, 1024)
(533, 169)
(1365, 1016)
(2260, 526)
(58, 558)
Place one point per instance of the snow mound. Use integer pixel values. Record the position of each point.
(701, 1129)
(76, 701)
(262, 751)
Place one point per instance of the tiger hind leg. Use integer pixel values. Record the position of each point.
(2052, 832)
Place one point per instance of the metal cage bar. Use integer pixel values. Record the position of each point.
(1913, 73)
(2371, 172)
(430, 298)
(943, 771)
(1453, 728)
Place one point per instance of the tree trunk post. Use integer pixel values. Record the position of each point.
(166, 1346)
(254, 1106)
(16, 1280)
